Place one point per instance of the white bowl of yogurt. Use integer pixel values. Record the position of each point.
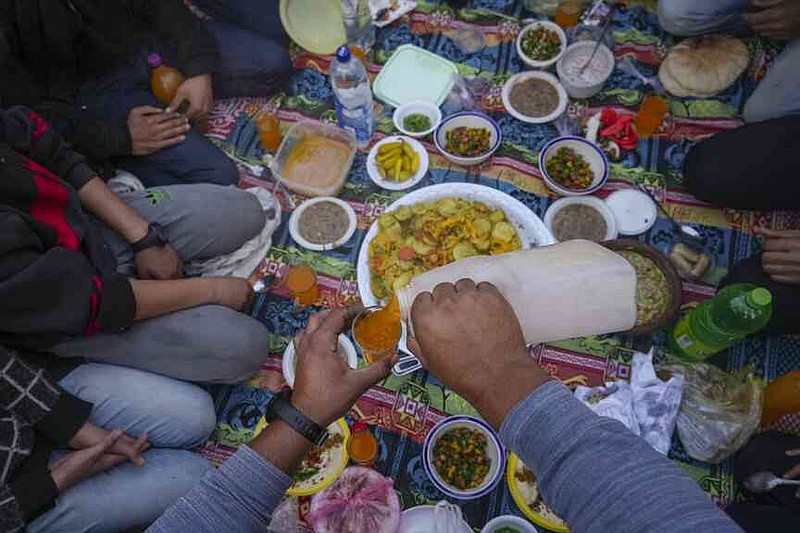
(588, 83)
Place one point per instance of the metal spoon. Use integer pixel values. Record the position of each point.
(766, 481)
(600, 37)
(687, 232)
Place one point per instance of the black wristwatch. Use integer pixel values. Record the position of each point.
(156, 236)
(279, 407)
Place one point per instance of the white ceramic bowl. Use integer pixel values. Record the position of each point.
(428, 109)
(494, 450)
(580, 89)
(499, 522)
(596, 203)
(533, 63)
(294, 224)
(563, 100)
(467, 119)
(377, 178)
(590, 151)
(288, 363)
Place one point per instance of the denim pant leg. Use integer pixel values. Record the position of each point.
(126, 496)
(697, 17)
(195, 160)
(174, 414)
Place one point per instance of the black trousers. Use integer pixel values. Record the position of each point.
(756, 166)
(777, 511)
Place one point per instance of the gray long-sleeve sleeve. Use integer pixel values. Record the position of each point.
(239, 496)
(595, 473)
(600, 477)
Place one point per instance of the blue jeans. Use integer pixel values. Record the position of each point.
(778, 94)
(174, 414)
(251, 63)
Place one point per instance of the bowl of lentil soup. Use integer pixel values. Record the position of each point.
(463, 457)
(541, 43)
(573, 166)
(467, 138)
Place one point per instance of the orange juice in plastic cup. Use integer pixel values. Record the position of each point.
(650, 115)
(301, 281)
(568, 13)
(269, 130)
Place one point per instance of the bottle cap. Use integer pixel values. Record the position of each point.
(759, 297)
(154, 60)
(343, 54)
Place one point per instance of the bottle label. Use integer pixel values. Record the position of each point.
(356, 119)
(690, 346)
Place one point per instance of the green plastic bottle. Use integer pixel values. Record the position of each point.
(734, 313)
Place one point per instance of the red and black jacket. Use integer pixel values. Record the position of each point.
(57, 277)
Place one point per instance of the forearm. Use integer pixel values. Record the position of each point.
(577, 458)
(156, 298)
(244, 492)
(97, 198)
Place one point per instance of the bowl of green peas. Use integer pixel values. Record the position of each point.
(573, 166)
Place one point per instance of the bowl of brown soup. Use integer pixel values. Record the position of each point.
(534, 97)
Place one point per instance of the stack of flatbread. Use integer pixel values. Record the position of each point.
(703, 66)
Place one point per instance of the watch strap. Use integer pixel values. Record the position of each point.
(153, 238)
(280, 407)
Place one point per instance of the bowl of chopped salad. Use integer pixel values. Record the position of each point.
(540, 44)
(417, 119)
(463, 457)
(467, 138)
(573, 166)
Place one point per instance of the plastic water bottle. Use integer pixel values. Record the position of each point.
(734, 313)
(358, 24)
(350, 83)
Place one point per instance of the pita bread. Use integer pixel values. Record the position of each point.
(703, 66)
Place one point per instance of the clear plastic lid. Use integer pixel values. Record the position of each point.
(634, 210)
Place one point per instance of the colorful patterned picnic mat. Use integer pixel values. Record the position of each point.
(403, 410)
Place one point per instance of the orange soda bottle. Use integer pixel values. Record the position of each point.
(164, 80)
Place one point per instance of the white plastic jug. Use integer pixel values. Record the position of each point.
(566, 290)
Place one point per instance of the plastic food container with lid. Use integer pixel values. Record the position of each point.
(329, 185)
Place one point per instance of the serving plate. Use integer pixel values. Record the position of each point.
(530, 228)
(516, 494)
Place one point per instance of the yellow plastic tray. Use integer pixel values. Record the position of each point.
(315, 25)
(328, 480)
(532, 515)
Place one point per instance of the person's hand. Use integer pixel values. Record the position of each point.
(153, 129)
(235, 293)
(776, 19)
(325, 387)
(78, 465)
(125, 446)
(794, 472)
(470, 338)
(781, 254)
(159, 262)
(199, 94)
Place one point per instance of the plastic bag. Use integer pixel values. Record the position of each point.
(284, 518)
(656, 402)
(615, 400)
(719, 411)
(360, 500)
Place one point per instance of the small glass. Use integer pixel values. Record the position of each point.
(362, 446)
(372, 354)
(301, 280)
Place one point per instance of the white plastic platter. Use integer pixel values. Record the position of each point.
(532, 231)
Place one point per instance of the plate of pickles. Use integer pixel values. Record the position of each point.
(397, 163)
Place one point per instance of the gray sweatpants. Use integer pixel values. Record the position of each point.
(211, 343)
